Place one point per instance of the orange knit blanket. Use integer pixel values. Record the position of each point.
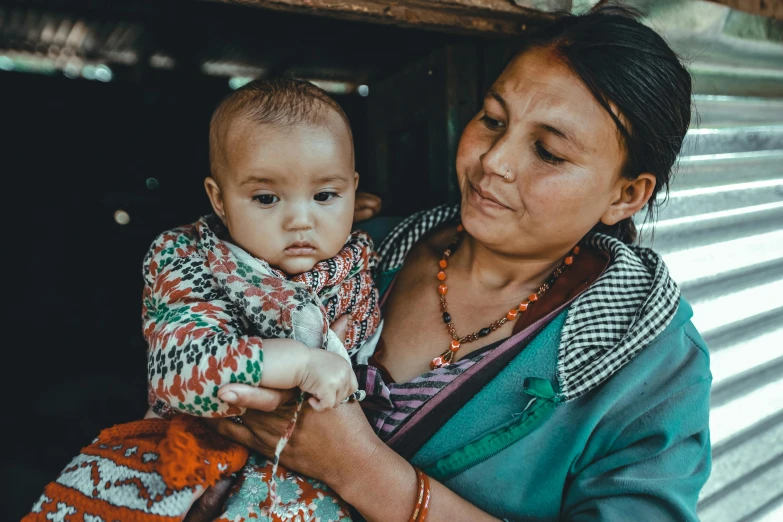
(140, 471)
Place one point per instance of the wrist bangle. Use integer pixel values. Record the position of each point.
(425, 507)
(419, 495)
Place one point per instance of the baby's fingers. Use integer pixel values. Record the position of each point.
(315, 404)
(320, 405)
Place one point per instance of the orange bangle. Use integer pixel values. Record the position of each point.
(425, 507)
(420, 478)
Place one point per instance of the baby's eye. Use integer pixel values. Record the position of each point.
(325, 196)
(266, 199)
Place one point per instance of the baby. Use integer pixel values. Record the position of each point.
(282, 188)
(244, 295)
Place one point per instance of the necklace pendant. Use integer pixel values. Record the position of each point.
(442, 360)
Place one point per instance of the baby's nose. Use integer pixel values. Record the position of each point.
(299, 219)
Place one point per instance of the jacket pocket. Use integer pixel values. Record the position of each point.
(540, 408)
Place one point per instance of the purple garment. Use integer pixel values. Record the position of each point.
(387, 406)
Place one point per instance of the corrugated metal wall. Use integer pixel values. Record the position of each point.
(722, 236)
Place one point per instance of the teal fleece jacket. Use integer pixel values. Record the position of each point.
(634, 448)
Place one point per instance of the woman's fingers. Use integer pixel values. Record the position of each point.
(256, 437)
(210, 505)
(259, 430)
(263, 399)
(234, 431)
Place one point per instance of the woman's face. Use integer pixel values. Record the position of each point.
(559, 150)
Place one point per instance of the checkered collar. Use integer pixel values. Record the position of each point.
(607, 325)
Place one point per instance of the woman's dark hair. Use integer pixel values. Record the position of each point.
(626, 63)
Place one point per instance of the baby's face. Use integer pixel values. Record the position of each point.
(287, 193)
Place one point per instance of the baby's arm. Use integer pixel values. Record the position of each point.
(196, 340)
(325, 375)
(195, 336)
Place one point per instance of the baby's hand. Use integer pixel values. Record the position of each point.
(328, 378)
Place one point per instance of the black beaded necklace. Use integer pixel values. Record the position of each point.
(447, 357)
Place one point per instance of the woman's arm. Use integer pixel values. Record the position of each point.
(339, 448)
(655, 468)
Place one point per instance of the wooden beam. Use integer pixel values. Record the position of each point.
(770, 8)
(486, 17)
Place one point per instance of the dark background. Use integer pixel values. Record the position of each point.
(75, 151)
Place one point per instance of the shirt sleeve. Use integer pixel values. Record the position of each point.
(654, 468)
(194, 334)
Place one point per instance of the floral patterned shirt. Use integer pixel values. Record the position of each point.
(208, 306)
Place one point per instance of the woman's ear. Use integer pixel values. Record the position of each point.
(632, 196)
(215, 197)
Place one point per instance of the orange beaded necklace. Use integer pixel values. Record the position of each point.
(447, 357)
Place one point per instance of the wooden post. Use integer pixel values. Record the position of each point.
(771, 8)
(496, 17)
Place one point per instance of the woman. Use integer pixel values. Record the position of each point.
(533, 365)
(578, 397)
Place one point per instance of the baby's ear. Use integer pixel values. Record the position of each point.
(355, 180)
(215, 197)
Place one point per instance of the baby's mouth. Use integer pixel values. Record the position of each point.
(300, 248)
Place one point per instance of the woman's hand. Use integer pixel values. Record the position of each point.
(329, 446)
(365, 206)
(317, 448)
(339, 448)
(210, 505)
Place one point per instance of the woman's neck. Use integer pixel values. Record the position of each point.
(497, 272)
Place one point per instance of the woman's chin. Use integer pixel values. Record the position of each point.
(482, 226)
(477, 215)
(496, 230)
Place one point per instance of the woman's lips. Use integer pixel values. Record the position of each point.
(483, 200)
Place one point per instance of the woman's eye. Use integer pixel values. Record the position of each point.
(491, 123)
(266, 199)
(325, 196)
(547, 156)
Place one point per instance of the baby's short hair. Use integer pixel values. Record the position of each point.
(279, 101)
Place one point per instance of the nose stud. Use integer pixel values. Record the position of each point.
(507, 175)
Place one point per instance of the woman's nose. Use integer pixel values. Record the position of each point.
(497, 160)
